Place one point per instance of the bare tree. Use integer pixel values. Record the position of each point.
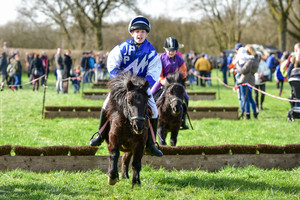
(95, 10)
(83, 14)
(294, 19)
(227, 19)
(280, 11)
(56, 10)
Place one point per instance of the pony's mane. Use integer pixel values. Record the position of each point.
(176, 77)
(118, 90)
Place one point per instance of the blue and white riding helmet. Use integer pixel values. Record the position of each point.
(139, 22)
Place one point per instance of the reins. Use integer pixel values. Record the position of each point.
(100, 130)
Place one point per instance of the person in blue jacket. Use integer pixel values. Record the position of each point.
(138, 56)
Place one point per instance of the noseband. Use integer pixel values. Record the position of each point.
(130, 118)
(175, 98)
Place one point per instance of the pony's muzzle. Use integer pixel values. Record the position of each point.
(138, 125)
(176, 110)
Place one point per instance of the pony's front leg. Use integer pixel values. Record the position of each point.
(125, 164)
(161, 135)
(173, 139)
(137, 165)
(114, 154)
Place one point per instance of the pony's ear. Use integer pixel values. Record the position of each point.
(146, 85)
(130, 85)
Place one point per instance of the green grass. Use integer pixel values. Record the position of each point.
(22, 124)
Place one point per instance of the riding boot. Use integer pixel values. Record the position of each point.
(150, 146)
(100, 137)
(183, 124)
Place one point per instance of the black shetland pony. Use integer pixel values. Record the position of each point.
(126, 112)
(170, 108)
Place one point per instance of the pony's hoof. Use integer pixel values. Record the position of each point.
(112, 181)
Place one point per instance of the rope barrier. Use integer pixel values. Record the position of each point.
(12, 86)
(84, 74)
(236, 87)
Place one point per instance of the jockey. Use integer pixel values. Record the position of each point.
(172, 62)
(138, 56)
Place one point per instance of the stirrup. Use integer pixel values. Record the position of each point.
(97, 132)
(158, 147)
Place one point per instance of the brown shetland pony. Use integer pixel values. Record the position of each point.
(170, 108)
(126, 112)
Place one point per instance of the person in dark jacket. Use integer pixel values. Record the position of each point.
(67, 62)
(3, 68)
(46, 65)
(18, 73)
(59, 70)
(37, 70)
(223, 67)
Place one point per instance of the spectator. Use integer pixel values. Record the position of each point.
(67, 62)
(231, 65)
(76, 80)
(91, 63)
(202, 66)
(59, 70)
(37, 70)
(190, 67)
(271, 63)
(84, 66)
(295, 61)
(223, 67)
(46, 65)
(247, 67)
(18, 73)
(262, 71)
(3, 68)
(278, 75)
(233, 70)
(11, 71)
(103, 68)
(5, 47)
(97, 68)
(229, 60)
(28, 59)
(208, 75)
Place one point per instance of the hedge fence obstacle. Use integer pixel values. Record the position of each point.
(195, 96)
(195, 113)
(211, 158)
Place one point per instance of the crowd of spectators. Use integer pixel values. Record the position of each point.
(91, 69)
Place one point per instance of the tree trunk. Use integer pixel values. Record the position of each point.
(98, 31)
(282, 33)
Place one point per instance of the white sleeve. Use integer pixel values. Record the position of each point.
(114, 60)
(154, 68)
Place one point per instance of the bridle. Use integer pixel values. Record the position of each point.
(175, 98)
(130, 118)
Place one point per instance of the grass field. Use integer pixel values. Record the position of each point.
(22, 124)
